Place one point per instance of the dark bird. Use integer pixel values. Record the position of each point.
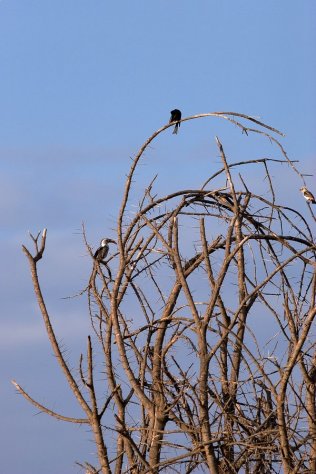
(103, 250)
(175, 117)
(308, 195)
(312, 374)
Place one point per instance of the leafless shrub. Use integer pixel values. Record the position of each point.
(206, 329)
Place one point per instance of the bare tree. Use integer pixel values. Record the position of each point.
(206, 329)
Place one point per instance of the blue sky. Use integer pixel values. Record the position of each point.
(82, 85)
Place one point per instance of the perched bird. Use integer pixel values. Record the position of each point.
(312, 374)
(308, 195)
(103, 250)
(175, 117)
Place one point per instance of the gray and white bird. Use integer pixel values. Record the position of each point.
(103, 250)
(308, 195)
(175, 117)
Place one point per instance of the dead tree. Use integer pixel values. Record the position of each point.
(206, 330)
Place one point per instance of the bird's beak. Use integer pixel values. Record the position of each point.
(112, 241)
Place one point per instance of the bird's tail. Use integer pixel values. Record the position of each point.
(175, 130)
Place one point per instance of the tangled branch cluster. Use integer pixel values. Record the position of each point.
(205, 325)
